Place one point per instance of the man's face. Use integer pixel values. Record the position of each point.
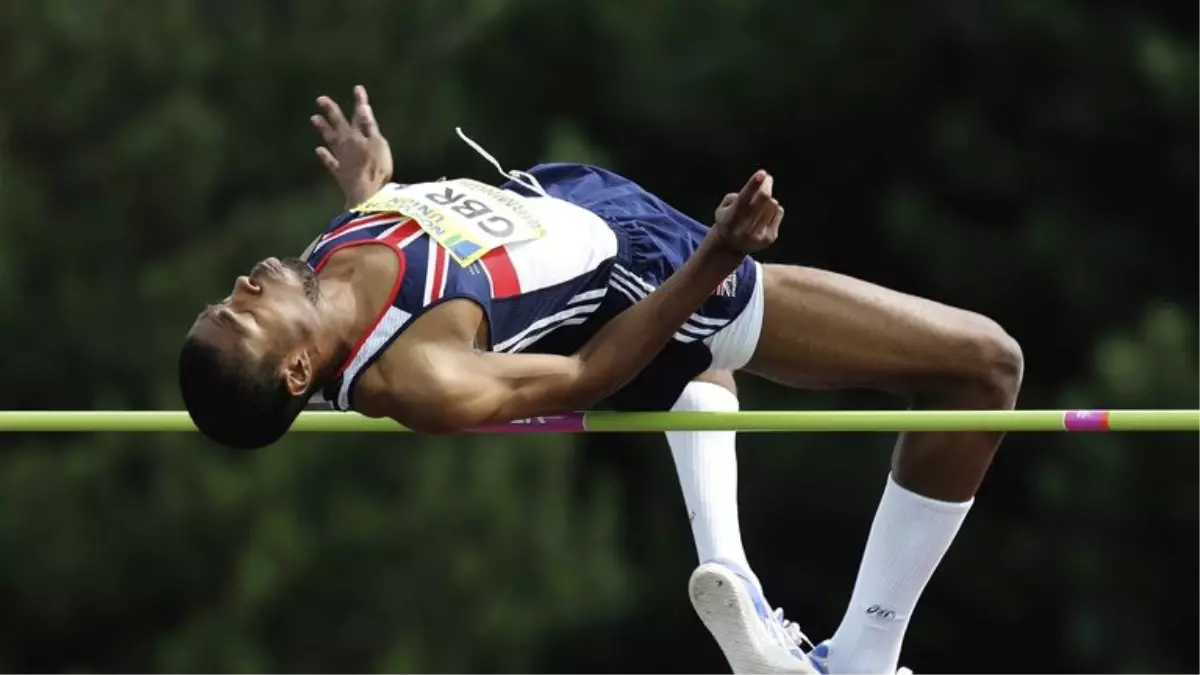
(272, 310)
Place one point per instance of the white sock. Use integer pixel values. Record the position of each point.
(706, 462)
(910, 535)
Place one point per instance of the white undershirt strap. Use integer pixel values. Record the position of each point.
(381, 335)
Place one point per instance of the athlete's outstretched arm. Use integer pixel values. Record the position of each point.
(479, 388)
(355, 153)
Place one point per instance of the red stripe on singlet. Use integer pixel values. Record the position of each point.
(500, 269)
(362, 220)
(439, 273)
(399, 234)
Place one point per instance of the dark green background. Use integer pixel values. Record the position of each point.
(1035, 160)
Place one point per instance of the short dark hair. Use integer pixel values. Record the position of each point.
(233, 399)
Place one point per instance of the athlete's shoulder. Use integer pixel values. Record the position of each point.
(417, 382)
(335, 223)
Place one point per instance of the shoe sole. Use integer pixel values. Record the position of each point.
(727, 611)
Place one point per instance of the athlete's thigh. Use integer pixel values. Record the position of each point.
(825, 330)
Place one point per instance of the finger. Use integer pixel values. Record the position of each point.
(322, 126)
(774, 230)
(762, 215)
(762, 197)
(364, 117)
(767, 230)
(327, 159)
(333, 113)
(751, 187)
(750, 201)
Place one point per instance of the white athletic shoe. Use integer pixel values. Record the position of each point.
(753, 638)
(820, 660)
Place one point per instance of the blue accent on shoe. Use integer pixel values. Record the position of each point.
(756, 596)
(818, 656)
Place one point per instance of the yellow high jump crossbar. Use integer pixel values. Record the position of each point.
(49, 421)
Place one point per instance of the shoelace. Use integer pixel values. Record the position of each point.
(787, 633)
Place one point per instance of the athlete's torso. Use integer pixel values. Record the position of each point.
(529, 291)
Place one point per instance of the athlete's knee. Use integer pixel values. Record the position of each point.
(992, 364)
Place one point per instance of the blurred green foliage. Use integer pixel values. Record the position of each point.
(1035, 161)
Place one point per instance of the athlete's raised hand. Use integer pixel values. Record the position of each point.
(748, 221)
(355, 152)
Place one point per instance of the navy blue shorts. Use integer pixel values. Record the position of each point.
(654, 240)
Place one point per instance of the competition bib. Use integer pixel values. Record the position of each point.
(466, 217)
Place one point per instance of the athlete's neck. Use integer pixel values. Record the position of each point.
(353, 287)
(342, 323)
